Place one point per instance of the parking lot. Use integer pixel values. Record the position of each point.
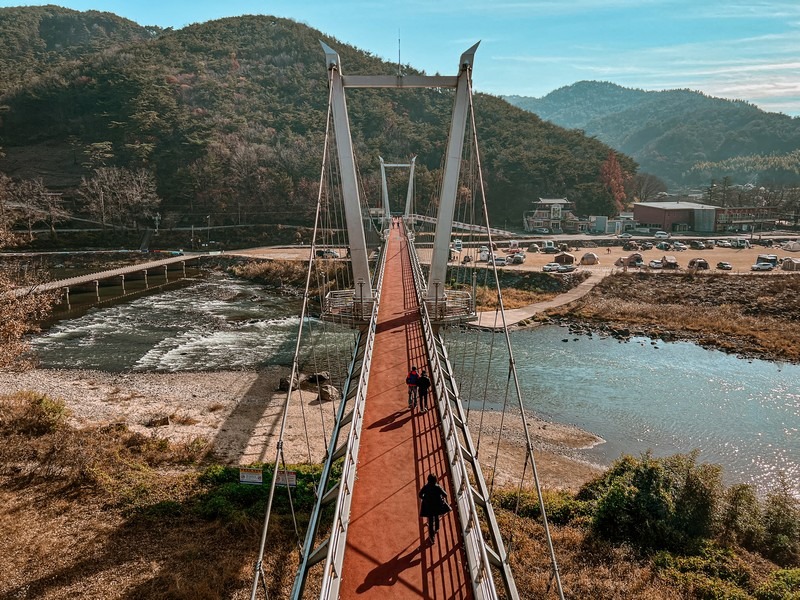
(740, 259)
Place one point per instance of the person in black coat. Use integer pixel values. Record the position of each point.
(423, 384)
(434, 504)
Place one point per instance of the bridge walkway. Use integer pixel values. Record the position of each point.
(100, 275)
(388, 554)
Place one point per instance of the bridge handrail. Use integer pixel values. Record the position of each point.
(478, 559)
(335, 543)
(106, 274)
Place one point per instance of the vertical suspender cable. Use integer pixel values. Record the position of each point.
(513, 369)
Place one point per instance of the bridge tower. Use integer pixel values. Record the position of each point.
(338, 82)
(385, 189)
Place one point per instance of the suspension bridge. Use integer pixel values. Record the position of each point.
(365, 537)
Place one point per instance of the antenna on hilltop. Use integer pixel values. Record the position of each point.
(399, 69)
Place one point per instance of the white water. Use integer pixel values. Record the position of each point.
(668, 397)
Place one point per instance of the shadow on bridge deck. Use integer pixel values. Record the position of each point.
(388, 554)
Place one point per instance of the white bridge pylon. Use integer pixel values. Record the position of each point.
(347, 165)
(387, 213)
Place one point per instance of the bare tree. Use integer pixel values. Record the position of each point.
(643, 187)
(19, 315)
(120, 196)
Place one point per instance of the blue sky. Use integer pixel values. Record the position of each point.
(743, 49)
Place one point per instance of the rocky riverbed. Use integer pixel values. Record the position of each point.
(748, 315)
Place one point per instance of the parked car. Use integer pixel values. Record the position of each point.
(697, 245)
(762, 267)
(655, 264)
(679, 246)
(327, 253)
(724, 266)
(499, 261)
(566, 268)
(723, 244)
(664, 246)
(698, 263)
(551, 267)
(541, 230)
(625, 236)
(662, 235)
(517, 259)
(550, 250)
(646, 245)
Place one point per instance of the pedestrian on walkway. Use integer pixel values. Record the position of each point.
(411, 381)
(434, 504)
(423, 384)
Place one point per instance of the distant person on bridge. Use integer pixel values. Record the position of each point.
(411, 382)
(434, 504)
(423, 384)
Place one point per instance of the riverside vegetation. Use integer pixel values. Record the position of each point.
(105, 512)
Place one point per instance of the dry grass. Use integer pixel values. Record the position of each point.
(589, 569)
(743, 314)
(106, 513)
(486, 298)
(183, 419)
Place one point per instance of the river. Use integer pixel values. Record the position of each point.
(668, 397)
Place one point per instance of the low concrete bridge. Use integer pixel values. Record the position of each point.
(95, 278)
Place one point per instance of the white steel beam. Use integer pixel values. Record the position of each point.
(452, 167)
(405, 81)
(387, 213)
(410, 194)
(347, 169)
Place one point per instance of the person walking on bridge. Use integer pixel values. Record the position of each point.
(423, 384)
(411, 382)
(434, 504)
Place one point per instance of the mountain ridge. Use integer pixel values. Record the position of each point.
(229, 115)
(669, 132)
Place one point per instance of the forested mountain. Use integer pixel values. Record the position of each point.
(36, 38)
(670, 132)
(229, 115)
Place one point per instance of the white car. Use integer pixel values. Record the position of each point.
(662, 235)
(625, 236)
(762, 266)
(499, 261)
(551, 267)
(724, 244)
(679, 246)
(655, 264)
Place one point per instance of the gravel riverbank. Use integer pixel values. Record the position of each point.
(239, 413)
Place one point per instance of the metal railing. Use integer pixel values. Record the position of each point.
(456, 305)
(465, 471)
(351, 412)
(350, 306)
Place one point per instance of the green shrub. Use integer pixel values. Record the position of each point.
(42, 415)
(781, 522)
(713, 573)
(655, 503)
(562, 507)
(781, 585)
(740, 518)
(236, 503)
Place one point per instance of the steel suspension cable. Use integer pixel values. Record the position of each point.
(259, 571)
(512, 365)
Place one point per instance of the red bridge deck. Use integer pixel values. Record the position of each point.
(388, 554)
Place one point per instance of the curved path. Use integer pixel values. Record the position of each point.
(493, 320)
(387, 554)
